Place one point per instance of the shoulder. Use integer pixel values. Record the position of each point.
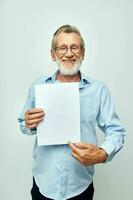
(97, 87)
(93, 82)
(41, 80)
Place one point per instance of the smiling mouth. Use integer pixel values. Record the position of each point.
(69, 61)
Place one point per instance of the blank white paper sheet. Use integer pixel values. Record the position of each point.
(61, 105)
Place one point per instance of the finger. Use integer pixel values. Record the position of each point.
(81, 145)
(33, 126)
(35, 110)
(77, 157)
(35, 116)
(74, 148)
(31, 122)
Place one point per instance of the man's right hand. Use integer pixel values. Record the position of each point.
(33, 117)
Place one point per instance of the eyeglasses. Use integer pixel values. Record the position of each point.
(75, 49)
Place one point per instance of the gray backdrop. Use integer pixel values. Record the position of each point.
(26, 29)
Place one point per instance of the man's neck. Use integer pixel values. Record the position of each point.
(68, 78)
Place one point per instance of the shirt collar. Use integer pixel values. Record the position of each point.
(85, 81)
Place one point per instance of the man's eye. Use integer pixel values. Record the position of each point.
(62, 48)
(74, 47)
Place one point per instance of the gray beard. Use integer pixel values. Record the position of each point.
(67, 71)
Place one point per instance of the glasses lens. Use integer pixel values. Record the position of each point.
(75, 49)
(62, 50)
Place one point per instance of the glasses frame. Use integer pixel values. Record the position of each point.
(66, 50)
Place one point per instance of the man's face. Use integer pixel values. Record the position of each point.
(68, 53)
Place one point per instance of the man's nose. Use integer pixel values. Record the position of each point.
(69, 53)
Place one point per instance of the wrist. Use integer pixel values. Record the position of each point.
(103, 156)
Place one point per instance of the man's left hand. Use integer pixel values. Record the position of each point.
(87, 154)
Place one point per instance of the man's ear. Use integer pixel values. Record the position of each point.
(53, 55)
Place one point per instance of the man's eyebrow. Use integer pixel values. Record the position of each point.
(74, 44)
(62, 45)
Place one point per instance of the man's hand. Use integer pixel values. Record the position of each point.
(33, 117)
(87, 154)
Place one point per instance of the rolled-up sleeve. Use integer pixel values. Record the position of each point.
(108, 121)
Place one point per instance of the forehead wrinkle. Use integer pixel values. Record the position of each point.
(68, 39)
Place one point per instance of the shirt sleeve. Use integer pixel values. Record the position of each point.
(108, 121)
(29, 104)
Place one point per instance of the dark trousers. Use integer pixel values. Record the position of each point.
(86, 195)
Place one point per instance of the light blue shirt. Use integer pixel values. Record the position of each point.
(58, 175)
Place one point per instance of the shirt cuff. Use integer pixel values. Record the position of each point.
(27, 130)
(110, 150)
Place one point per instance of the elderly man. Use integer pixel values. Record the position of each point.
(66, 171)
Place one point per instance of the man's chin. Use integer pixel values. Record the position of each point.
(69, 70)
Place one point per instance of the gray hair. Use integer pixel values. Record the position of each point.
(66, 29)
